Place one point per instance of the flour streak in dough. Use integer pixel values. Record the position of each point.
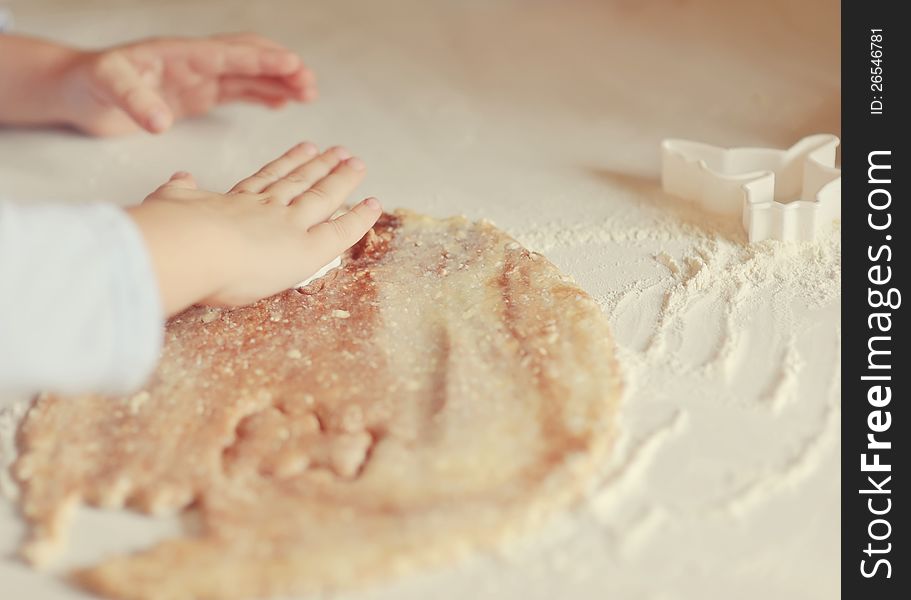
(441, 389)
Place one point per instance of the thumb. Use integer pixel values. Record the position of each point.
(180, 180)
(122, 83)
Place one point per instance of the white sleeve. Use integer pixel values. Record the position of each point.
(79, 304)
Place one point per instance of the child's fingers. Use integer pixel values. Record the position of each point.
(277, 169)
(122, 83)
(334, 237)
(215, 57)
(232, 88)
(269, 101)
(181, 180)
(275, 62)
(305, 176)
(303, 82)
(249, 37)
(325, 197)
(301, 78)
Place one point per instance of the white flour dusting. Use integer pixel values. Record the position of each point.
(717, 266)
(10, 415)
(714, 325)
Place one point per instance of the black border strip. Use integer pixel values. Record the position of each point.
(874, 370)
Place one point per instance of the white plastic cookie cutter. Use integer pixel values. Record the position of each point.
(781, 194)
(336, 262)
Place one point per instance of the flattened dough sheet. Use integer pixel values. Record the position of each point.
(443, 388)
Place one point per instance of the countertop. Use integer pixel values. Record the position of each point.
(546, 118)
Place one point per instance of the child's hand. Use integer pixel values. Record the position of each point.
(149, 84)
(269, 232)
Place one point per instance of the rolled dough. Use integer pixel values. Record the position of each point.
(443, 388)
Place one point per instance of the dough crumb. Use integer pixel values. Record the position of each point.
(137, 401)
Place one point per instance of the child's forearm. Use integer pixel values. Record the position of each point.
(30, 75)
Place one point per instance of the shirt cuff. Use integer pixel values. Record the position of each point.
(80, 310)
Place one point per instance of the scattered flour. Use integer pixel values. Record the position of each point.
(707, 287)
(10, 415)
(717, 265)
(636, 456)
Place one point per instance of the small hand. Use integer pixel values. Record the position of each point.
(149, 84)
(272, 230)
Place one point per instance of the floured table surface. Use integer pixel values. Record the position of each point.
(546, 118)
